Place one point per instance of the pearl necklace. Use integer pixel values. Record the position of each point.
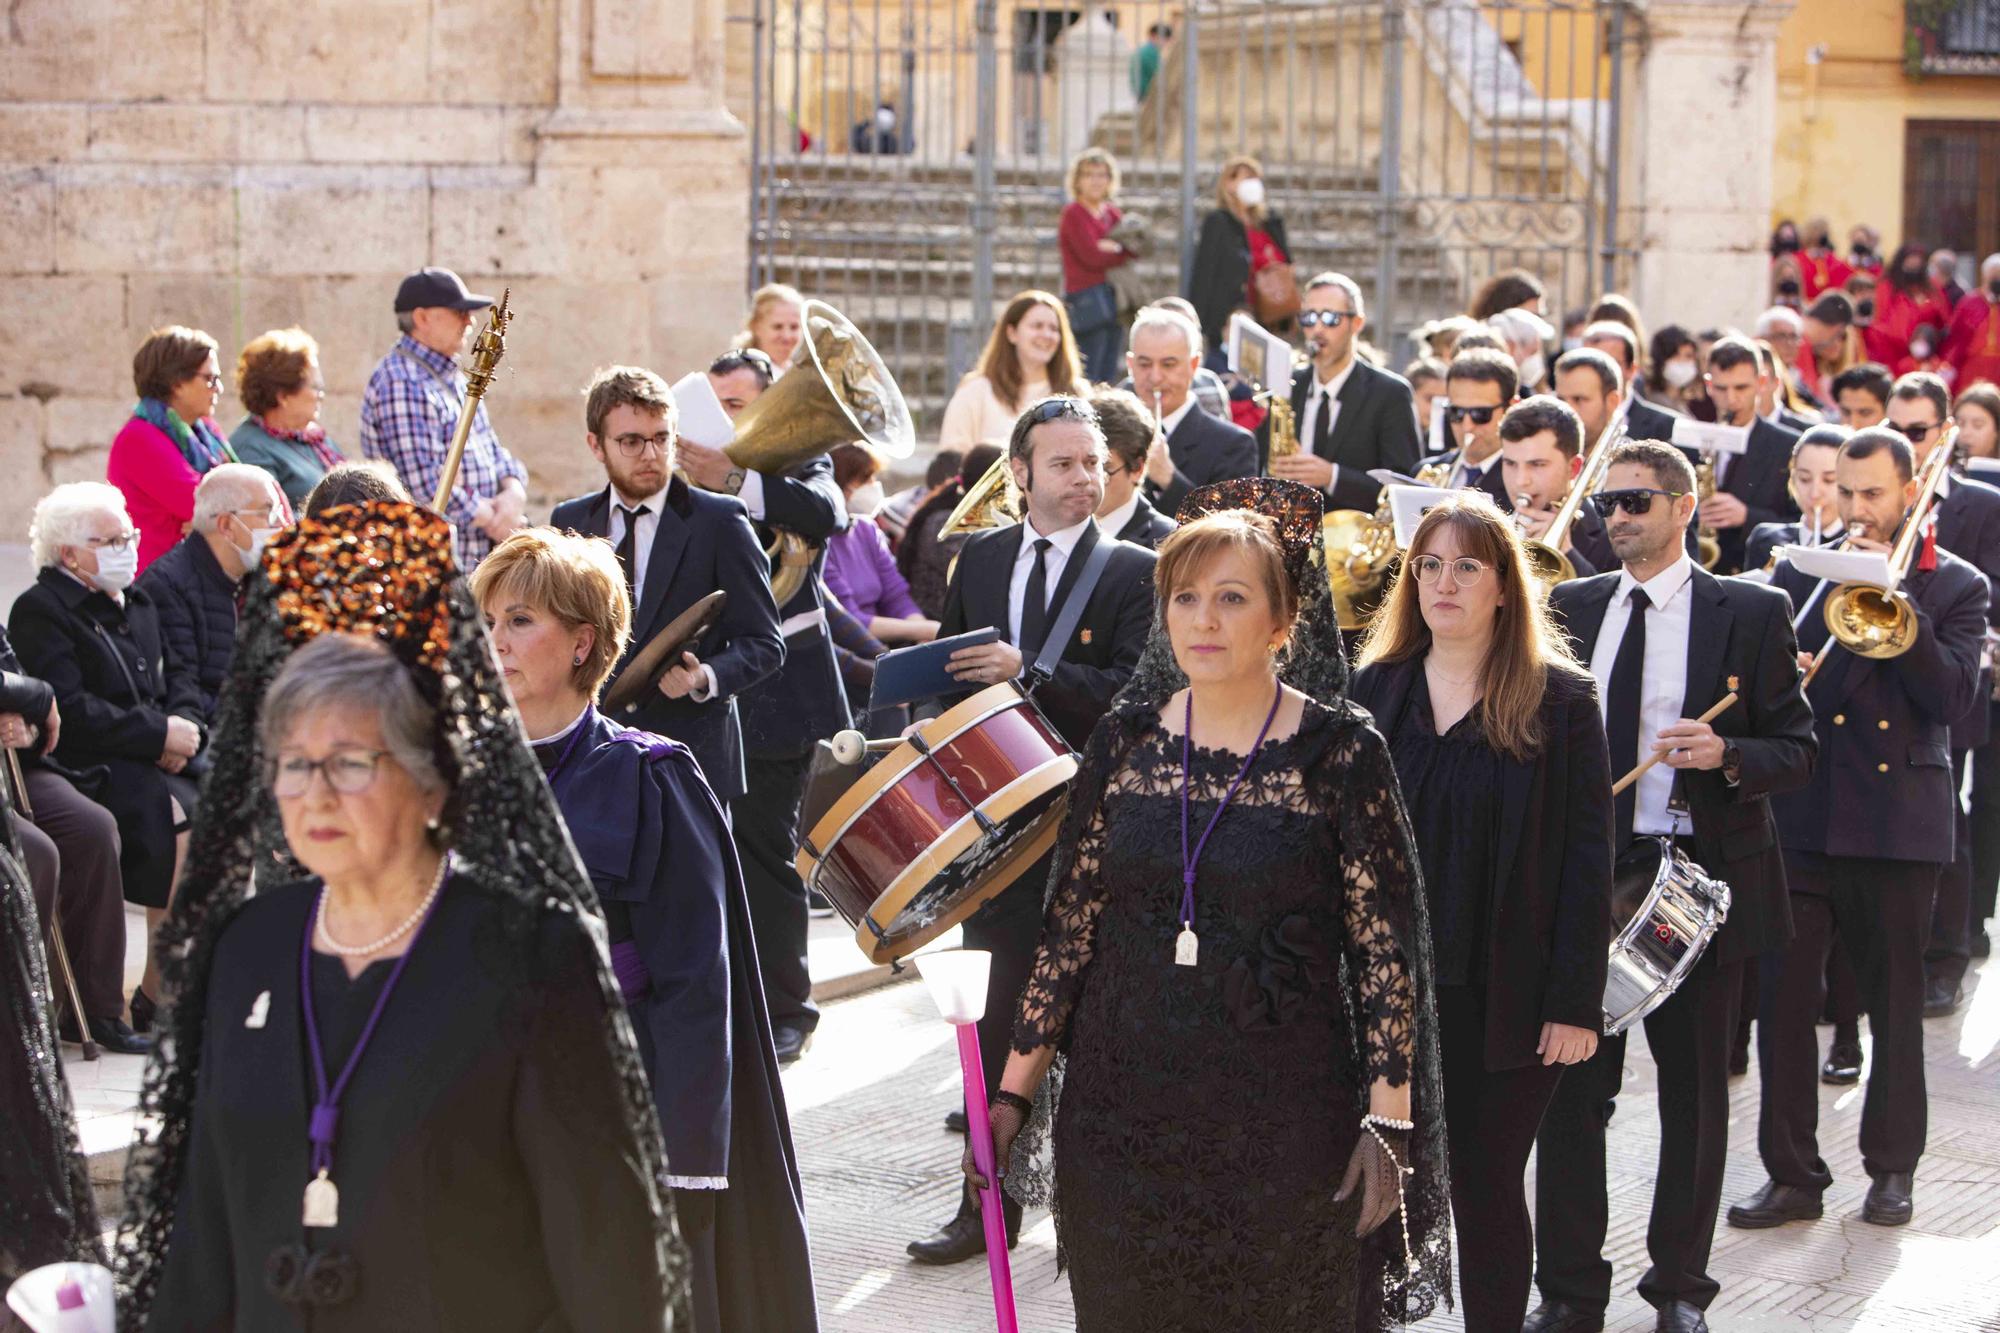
(409, 922)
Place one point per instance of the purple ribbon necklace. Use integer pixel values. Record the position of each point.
(1186, 945)
(322, 1199)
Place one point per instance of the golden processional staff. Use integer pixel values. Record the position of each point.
(486, 353)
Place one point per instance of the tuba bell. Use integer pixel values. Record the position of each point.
(843, 394)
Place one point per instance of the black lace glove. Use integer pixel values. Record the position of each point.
(1378, 1175)
(1009, 1113)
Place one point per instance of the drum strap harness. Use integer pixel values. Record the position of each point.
(1072, 611)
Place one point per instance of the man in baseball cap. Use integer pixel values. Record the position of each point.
(411, 409)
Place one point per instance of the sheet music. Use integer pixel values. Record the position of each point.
(1711, 437)
(1840, 565)
(702, 419)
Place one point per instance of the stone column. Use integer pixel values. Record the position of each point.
(1696, 159)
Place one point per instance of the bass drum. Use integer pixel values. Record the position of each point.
(945, 821)
(1671, 909)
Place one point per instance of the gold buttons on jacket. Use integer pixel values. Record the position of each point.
(1883, 725)
(1881, 768)
(1840, 719)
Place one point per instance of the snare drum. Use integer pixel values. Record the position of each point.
(945, 821)
(1671, 908)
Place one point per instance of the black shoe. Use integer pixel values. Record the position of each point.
(817, 904)
(115, 1037)
(1562, 1317)
(1774, 1205)
(1888, 1201)
(790, 1043)
(955, 1122)
(1680, 1317)
(964, 1237)
(144, 1011)
(1843, 1063)
(1942, 998)
(1982, 944)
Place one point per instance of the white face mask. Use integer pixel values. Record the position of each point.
(1250, 191)
(1920, 350)
(1532, 368)
(259, 539)
(1678, 374)
(867, 500)
(885, 119)
(116, 567)
(1571, 344)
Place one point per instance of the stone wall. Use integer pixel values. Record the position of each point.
(240, 165)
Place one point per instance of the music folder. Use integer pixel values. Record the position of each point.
(917, 673)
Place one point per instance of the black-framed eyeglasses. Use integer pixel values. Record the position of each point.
(1916, 432)
(1332, 319)
(1465, 571)
(635, 446)
(1635, 500)
(1480, 415)
(350, 772)
(212, 381)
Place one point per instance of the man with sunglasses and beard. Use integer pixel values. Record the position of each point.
(1665, 640)
(1968, 525)
(1352, 417)
(1479, 387)
(1864, 843)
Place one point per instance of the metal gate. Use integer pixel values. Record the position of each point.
(1418, 145)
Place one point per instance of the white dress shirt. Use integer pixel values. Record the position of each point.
(1172, 421)
(1327, 393)
(1662, 679)
(1113, 523)
(1061, 545)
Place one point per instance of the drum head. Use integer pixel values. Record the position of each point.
(1632, 881)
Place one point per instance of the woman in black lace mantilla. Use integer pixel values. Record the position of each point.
(1229, 1031)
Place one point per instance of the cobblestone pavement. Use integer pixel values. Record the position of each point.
(868, 1102)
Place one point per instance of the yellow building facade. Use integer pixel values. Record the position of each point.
(1863, 137)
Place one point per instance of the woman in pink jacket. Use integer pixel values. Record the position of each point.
(171, 440)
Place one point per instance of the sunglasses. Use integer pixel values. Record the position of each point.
(1635, 501)
(1051, 408)
(1332, 319)
(731, 362)
(1915, 432)
(1480, 415)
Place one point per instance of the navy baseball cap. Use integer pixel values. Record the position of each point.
(437, 287)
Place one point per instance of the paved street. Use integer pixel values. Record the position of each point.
(868, 1101)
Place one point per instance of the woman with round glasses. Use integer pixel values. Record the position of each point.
(172, 439)
(126, 714)
(1499, 746)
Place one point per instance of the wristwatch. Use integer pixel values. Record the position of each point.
(732, 481)
(1732, 763)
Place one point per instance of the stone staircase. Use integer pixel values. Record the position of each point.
(891, 244)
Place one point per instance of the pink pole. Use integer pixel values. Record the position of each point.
(981, 1125)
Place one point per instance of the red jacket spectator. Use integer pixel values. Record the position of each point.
(1897, 315)
(1084, 264)
(1824, 271)
(1973, 344)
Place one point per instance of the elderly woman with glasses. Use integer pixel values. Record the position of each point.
(278, 377)
(658, 849)
(1499, 747)
(172, 439)
(128, 733)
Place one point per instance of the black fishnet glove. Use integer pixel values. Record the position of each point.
(1008, 1113)
(1378, 1176)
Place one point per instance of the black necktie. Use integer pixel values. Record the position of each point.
(1621, 709)
(1323, 425)
(1035, 604)
(628, 548)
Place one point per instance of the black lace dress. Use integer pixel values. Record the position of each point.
(1207, 1113)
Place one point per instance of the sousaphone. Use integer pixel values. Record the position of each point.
(839, 393)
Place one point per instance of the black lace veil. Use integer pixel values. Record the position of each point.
(1314, 663)
(385, 569)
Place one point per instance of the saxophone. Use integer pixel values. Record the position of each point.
(1708, 550)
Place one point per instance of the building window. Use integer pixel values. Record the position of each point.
(1953, 36)
(1951, 184)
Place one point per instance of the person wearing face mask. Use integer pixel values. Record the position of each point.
(1905, 301)
(878, 133)
(1864, 249)
(1238, 239)
(1525, 334)
(130, 717)
(859, 569)
(1823, 269)
(1785, 239)
(238, 509)
(1674, 372)
(1788, 281)
(1972, 344)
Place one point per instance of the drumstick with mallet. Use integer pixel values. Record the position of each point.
(1722, 705)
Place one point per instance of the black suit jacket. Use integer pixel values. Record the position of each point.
(1883, 786)
(1741, 629)
(1147, 527)
(1795, 422)
(803, 701)
(1649, 421)
(1376, 428)
(1757, 477)
(1204, 449)
(1968, 526)
(1549, 928)
(704, 543)
(1101, 653)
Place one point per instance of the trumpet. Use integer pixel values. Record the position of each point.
(1547, 558)
(1882, 622)
(1708, 548)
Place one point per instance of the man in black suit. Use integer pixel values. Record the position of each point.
(1864, 843)
(1164, 354)
(1968, 525)
(785, 713)
(1351, 417)
(1129, 436)
(1750, 486)
(1664, 639)
(1018, 579)
(1480, 384)
(1541, 454)
(1643, 420)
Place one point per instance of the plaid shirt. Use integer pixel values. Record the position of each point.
(408, 415)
